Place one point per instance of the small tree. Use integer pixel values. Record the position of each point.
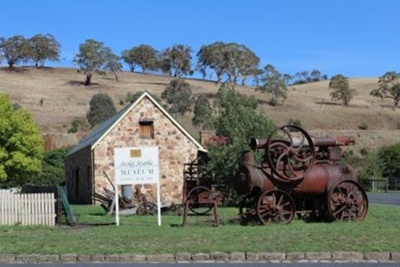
(179, 95)
(341, 89)
(92, 56)
(21, 145)
(202, 112)
(273, 84)
(112, 63)
(101, 108)
(238, 120)
(389, 87)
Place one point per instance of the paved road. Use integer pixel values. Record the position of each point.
(384, 198)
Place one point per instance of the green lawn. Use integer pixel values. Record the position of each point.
(96, 233)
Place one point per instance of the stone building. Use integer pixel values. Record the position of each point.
(90, 164)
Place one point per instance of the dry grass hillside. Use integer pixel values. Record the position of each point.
(55, 97)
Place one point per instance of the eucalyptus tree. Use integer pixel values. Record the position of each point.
(228, 59)
(315, 75)
(287, 78)
(273, 84)
(42, 48)
(211, 56)
(341, 89)
(112, 63)
(14, 50)
(176, 60)
(246, 64)
(388, 87)
(92, 57)
(143, 55)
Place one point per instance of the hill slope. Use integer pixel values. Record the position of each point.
(56, 97)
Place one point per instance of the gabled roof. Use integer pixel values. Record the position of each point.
(96, 135)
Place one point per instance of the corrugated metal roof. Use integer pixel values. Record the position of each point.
(97, 134)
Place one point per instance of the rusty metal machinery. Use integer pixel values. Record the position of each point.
(299, 174)
(198, 196)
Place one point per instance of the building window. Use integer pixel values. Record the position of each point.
(146, 129)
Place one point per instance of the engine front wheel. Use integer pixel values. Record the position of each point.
(275, 206)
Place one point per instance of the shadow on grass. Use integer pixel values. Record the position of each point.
(81, 83)
(153, 83)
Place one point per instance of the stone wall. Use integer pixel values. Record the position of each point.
(175, 149)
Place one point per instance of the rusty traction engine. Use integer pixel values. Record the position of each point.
(299, 175)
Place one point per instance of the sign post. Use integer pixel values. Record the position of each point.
(137, 165)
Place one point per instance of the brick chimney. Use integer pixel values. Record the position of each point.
(205, 137)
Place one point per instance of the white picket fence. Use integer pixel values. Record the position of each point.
(27, 209)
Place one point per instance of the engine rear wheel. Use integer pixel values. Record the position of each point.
(347, 200)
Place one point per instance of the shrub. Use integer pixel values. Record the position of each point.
(101, 108)
(363, 126)
(295, 122)
(273, 102)
(178, 95)
(53, 170)
(74, 126)
(388, 160)
(364, 151)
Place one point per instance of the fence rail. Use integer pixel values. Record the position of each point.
(27, 209)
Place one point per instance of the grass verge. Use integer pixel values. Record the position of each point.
(96, 233)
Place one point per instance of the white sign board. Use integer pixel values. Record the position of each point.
(137, 165)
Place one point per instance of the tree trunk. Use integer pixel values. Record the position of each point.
(243, 81)
(88, 79)
(116, 76)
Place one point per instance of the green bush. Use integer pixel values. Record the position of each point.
(273, 102)
(178, 95)
(74, 126)
(295, 122)
(388, 159)
(101, 108)
(363, 126)
(235, 123)
(53, 170)
(364, 151)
